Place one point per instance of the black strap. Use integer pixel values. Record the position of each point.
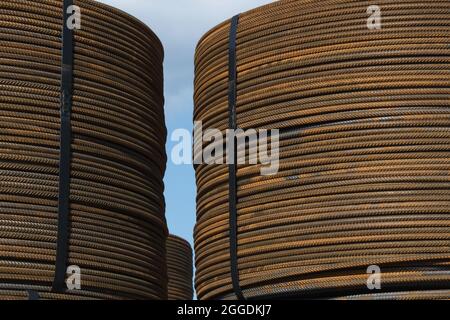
(65, 152)
(33, 295)
(232, 91)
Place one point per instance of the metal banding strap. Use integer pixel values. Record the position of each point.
(33, 295)
(232, 92)
(65, 151)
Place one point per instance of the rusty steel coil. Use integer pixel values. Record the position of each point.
(414, 295)
(363, 178)
(117, 224)
(179, 269)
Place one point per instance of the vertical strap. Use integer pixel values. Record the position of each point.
(232, 92)
(65, 151)
(33, 295)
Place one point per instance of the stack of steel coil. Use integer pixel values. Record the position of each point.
(179, 269)
(364, 123)
(118, 229)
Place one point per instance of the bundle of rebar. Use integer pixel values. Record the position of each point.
(360, 206)
(117, 226)
(179, 269)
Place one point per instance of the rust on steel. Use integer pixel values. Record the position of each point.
(117, 226)
(363, 180)
(179, 269)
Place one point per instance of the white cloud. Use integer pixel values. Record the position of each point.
(180, 24)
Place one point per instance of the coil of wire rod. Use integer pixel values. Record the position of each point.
(414, 295)
(117, 223)
(179, 269)
(364, 151)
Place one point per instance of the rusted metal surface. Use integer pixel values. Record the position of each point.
(179, 269)
(364, 151)
(118, 229)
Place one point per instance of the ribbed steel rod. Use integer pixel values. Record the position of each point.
(179, 268)
(364, 123)
(117, 226)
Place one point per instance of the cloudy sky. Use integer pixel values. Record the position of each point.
(180, 24)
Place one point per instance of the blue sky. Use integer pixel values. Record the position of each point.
(180, 24)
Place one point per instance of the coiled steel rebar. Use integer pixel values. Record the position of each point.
(364, 123)
(179, 269)
(117, 224)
